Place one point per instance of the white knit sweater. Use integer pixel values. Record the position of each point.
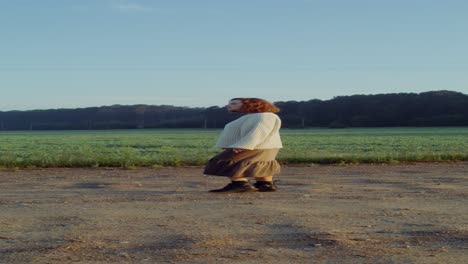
(252, 131)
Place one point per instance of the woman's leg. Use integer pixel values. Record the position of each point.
(238, 179)
(265, 178)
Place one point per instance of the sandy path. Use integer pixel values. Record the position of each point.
(413, 213)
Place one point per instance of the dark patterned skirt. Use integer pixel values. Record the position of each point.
(248, 163)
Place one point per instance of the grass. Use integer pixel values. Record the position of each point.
(176, 147)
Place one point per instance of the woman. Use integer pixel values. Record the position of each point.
(250, 145)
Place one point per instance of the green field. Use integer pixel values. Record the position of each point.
(164, 147)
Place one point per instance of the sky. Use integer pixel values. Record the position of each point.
(200, 53)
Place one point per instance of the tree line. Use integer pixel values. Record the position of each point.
(434, 108)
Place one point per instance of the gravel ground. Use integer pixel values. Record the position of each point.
(406, 213)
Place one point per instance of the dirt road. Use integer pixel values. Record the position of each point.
(412, 213)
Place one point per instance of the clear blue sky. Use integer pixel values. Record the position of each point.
(79, 53)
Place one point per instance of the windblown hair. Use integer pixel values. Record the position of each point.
(256, 105)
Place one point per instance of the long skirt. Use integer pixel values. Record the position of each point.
(248, 163)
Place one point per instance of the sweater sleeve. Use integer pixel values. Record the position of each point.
(254, 132)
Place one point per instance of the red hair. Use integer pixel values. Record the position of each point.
(256, 105)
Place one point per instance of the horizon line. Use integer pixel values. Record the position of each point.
(180, 106)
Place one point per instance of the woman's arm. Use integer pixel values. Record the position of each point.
(238, 150)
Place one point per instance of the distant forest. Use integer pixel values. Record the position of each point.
(435, 108)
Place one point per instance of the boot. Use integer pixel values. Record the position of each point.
(266, 186)
(236, 187)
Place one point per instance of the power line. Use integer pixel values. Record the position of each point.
(6, 67)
